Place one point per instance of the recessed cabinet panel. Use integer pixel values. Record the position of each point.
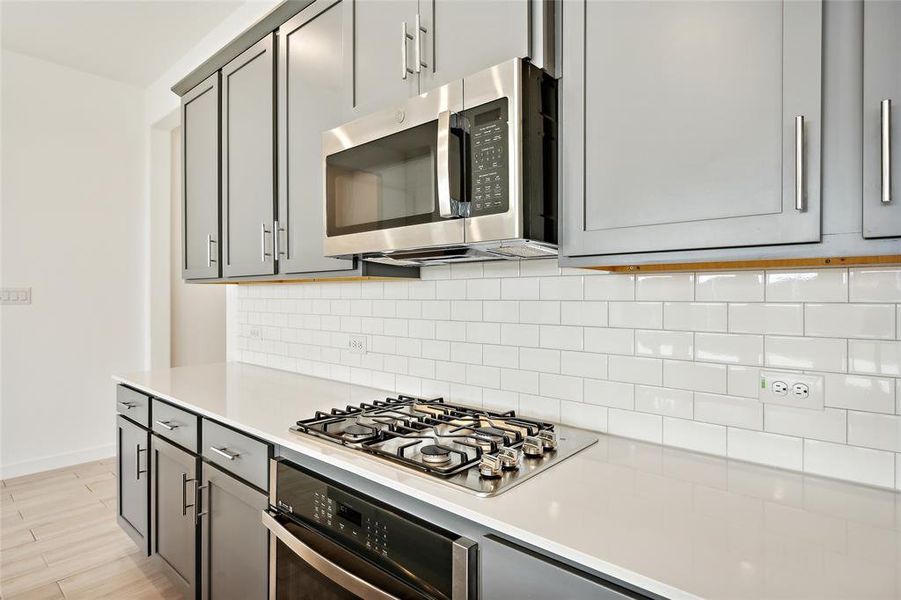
(690, 119)
(235, 543)
(248, 161)
(200, 180)
(133, 481)
(313, 97)
(381, 53)
(466, 36)
(174, 536)
(882, 119)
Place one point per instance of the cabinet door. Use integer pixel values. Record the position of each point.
(881, 82)
(379, 48)
(248, 160)
(313, 97)
(686, 120)
(520, 573)
(234, 542)
(200, 180)
(174, 536)
(466, 36)
(133, 481)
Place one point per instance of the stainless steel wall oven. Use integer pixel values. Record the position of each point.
(329, 542)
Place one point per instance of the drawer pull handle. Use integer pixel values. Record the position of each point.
(223, 452)
(128, 405)
(167, 425)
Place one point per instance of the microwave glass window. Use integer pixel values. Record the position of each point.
(385, 183)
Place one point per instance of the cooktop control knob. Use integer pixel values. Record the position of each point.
(490, 466)
(532, 446)
(548, 439)
(509, 458)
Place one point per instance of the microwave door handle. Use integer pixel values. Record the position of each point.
(445, 203)
(326, 567)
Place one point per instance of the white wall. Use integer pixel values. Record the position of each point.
(73, 230)
(672, 359)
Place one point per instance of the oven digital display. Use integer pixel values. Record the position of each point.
(488, 116)
(350, 515)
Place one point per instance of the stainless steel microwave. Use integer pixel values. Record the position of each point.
(467, 171)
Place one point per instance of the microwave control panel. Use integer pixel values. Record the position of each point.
(489, 139)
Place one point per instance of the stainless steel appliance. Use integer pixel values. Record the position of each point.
(463, 172)
(330, 542)
(482, 451)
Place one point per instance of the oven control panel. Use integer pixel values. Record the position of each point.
(489, 140)
(348, 521)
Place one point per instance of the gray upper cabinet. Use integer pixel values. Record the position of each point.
(174, 489)
(200, 180)
(314, 54)
(234, 542)
(133, 481)
(881, 116)
(248, 161)
(383, 69)
(465, 36)
(690, 125)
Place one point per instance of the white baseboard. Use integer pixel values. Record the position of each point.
(57, 461)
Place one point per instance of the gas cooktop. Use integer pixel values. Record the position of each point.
(481, 451)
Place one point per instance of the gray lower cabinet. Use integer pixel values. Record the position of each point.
(173, 496)
(234, 542)
(511, 571)
(882, 118)
(314, 54)
(133, 481)
(690, 124)
(200, 180)
(248, 161)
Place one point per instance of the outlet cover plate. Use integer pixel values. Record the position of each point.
(814, 383)
(11, 296)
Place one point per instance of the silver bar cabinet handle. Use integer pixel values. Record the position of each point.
(197, 501)
(184, 494)
(223, 452)
(277, 239)
(886, 110)
(127, 405)
(209, 250)
(418, 44)
(799, 163)
(445, 208)
(263, 232)
(138, 469)
(167, 425)
(404, 36)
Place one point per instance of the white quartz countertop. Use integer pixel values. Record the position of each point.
(673, 522)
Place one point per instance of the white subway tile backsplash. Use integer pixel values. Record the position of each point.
(877, 358)
(635, 425)
(664, 344)
(820, 354)
(785, 319)
(817, 285)
(828, 424)
(636, 314)
(863, 465)
(850, 320)
(677, 286)
(860, 392)
(631, 369)
(666, 357)
(875, 284)
(729, 348)
(610, 287)
(691, 435)
(664, 401)
(766, 448)
(694, 316)
(737, 286)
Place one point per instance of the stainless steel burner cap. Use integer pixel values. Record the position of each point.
(357, 432)
(435, 455)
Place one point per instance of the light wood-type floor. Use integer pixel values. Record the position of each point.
(59, 539)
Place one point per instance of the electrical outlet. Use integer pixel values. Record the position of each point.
(791, 389)
(357, 344)
(9, 296)
(255, 333)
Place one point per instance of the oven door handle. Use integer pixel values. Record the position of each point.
(447, 206)
(336, 573)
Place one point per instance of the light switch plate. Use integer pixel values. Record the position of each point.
(791, 389)
(11, 296)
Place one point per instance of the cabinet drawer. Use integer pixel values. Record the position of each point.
(237, 453)
(175, 424)
(133, 404)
